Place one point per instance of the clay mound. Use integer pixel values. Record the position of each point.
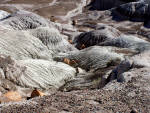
(128, 41)
(97, 61)
(102, 34)
(52, 38)
(35, 73)
(45, 74)
(22, 45)
(23, 20)
(92, 58)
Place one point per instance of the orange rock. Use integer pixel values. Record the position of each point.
(70, 62)
(66, 60)
(70, 41)
(82, 46)
(73, 62)
(53, 19)
(36, 93)
(12, 96)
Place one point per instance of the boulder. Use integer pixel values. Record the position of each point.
(91, 38)
(37, 93)
(116, 73)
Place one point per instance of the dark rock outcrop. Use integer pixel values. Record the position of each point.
(107, 4)
(91, 38)
(135, 11)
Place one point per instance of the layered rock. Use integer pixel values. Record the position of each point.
(51, 38)
(121, 71)
(91, 38)
(128, 41)
(138, 11)
(92, 58)
(114, 97)
(35, 73)
(97, 61)
(121, 86)
(22, 45)
(23, 20)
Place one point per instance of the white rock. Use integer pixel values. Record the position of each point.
(23, 20)
(22, 45)
(52, 38)
(3, 14)
(34, 73)
(94, 57)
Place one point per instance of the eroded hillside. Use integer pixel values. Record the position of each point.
(75, 56)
